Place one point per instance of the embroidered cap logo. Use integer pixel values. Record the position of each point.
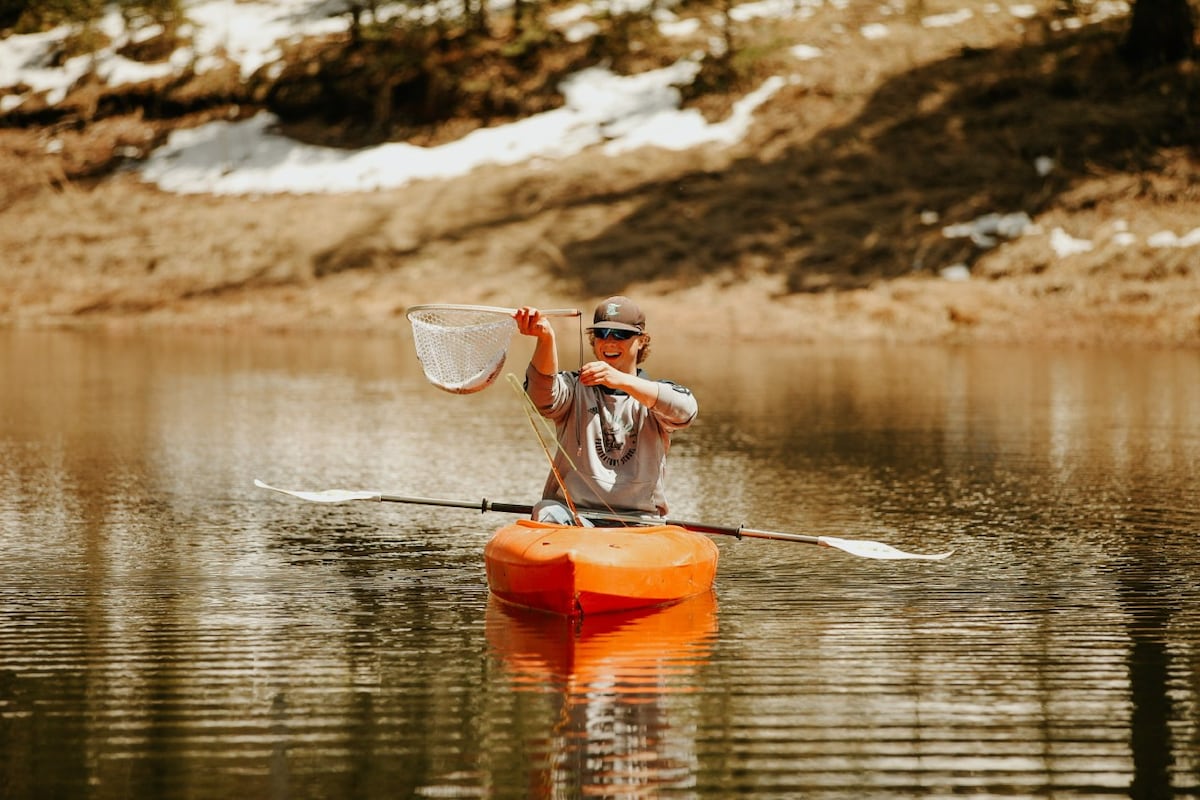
(612, 310)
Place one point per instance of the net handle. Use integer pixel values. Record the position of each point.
(549, 312)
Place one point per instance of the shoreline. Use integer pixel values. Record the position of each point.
(908, 311)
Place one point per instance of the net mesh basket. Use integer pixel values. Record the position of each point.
(461, 348)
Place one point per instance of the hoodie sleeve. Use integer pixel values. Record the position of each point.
(676, 407)
(551, 394)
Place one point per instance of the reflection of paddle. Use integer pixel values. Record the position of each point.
(629, 654)
(857, 547)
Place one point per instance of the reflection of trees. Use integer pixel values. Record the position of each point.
(1118, 452)
(189, 650)
(1149, 680)
(1063, 634)
(152, 634)
(1152, 587)
(73, 428)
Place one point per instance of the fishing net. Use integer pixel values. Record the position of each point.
(462, 348)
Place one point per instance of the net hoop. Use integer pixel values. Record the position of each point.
(462, 348)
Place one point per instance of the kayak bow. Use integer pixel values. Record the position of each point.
(577, 571)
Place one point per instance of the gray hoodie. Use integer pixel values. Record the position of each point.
(612, 451)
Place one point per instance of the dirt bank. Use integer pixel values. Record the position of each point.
(826, 223)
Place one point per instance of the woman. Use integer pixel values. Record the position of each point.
(614, 423)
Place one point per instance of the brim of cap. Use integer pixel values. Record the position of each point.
(617, 326)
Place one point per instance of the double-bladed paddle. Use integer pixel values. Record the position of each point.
(858, 547)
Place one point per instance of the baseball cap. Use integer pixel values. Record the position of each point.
(620, 313)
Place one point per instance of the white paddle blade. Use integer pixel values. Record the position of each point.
(327, 496)
(868, 549)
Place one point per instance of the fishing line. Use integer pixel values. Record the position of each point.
(578, 418)
(534, 418)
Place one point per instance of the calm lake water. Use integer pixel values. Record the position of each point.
(170, 631)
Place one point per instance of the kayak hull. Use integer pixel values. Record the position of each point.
(575, 571)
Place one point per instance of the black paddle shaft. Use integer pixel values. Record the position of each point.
(484, 506)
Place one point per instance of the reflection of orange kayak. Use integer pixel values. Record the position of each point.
(603, 694)
(629, 653)
(580, 571)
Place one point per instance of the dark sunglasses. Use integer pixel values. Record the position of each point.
(613, 333)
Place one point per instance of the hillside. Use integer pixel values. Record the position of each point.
(830, 220)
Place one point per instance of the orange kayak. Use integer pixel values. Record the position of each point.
(578, 571)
